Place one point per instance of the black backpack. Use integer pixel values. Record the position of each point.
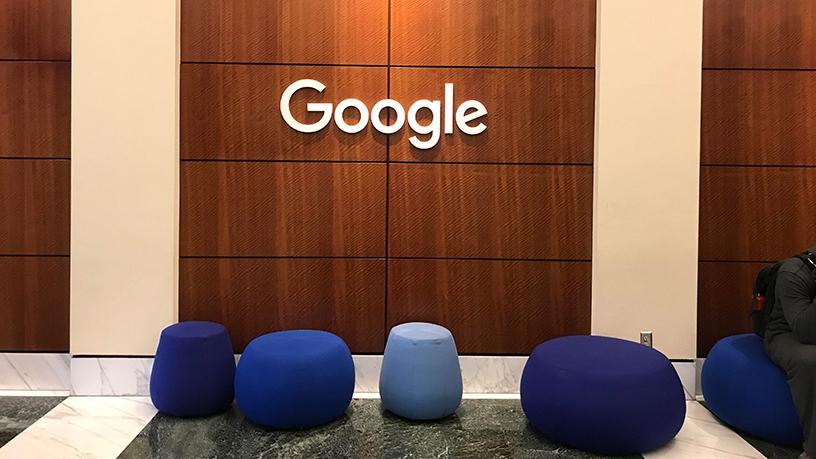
(764, 295)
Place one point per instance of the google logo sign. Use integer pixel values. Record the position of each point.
(467, 113)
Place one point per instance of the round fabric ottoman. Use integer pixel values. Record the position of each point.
(193, 370)
(294, 379)
(747, 391)
(420, 377)
(604, 395)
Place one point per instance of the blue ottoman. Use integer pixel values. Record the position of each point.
(744, 388)
(294, 379)
(420, 377)
(193, 371)
(603, 395)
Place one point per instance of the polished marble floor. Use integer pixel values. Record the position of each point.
(128, 427)
(773, 451)
(480, 428)
(18, 413)
(83, 427)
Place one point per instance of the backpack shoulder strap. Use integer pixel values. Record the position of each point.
(809, 259)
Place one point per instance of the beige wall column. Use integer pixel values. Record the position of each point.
(124, 182)
(647, 155)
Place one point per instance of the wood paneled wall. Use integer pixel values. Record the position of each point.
(488, 235)
(35, 174)
(758, 176)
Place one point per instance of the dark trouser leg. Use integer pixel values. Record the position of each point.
(799, 362)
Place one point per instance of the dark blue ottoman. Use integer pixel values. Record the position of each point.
(744, 388)
(294, 379)
(604, 395)
(193, 371)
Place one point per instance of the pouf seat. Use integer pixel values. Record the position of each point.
(601, 394)
(747, 391)
(420, 377)
(294, 379)
(193, 371)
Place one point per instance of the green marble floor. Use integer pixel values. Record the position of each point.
(479, 429)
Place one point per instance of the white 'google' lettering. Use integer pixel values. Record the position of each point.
(468, 111)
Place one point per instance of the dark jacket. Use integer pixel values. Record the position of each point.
(795, 310)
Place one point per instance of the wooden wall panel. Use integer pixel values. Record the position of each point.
(35, 29)
(534, 115)
(759, 88)
(285, 31)
(35, 109)
(282, 209)
(232, 112)
(256, 296)
(526, 33)
(756, 214)
(35, 174)
(724, 301)
(492, 306)
(759, 34)
(488, 211)
(285, 230)
(35, 207)
(758, 117)
(34, 303)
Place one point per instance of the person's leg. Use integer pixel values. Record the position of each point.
(799, 362)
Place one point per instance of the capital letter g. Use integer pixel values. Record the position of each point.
(310, 107)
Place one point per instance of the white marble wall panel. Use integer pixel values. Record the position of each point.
(125, 376)
(35, 372)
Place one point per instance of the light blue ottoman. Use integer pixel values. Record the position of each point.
(420, 377)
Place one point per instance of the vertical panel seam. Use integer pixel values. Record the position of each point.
(387, 176)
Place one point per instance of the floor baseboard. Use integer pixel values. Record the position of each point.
(130, 376)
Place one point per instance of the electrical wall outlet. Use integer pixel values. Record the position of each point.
(646, 338)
